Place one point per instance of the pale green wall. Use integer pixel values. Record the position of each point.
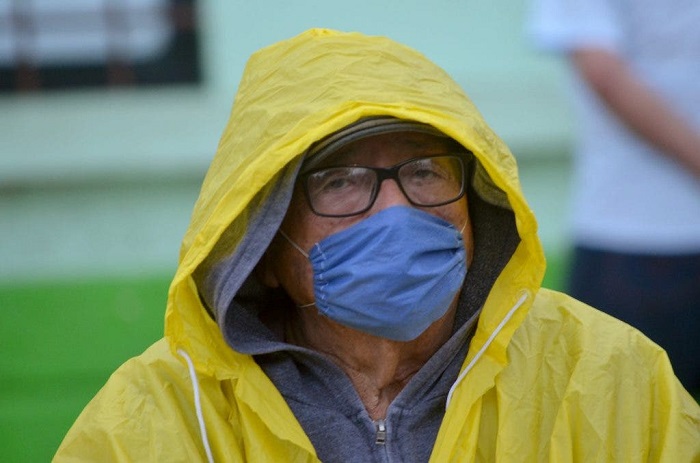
(99, 182)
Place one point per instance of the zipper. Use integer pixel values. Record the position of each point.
(380, 426)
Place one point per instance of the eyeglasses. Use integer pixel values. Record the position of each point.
(428, 181)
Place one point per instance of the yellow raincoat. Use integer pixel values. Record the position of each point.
(546, 378)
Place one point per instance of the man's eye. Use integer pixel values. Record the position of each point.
(336, 183)
(426, 171)
(335, 180)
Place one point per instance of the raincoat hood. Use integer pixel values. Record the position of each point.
(293, 94)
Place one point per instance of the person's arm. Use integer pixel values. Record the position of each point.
(637, 106)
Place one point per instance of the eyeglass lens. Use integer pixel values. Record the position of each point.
(426, 181)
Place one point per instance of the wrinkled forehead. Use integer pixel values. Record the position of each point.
(342, 142)
(389, 149)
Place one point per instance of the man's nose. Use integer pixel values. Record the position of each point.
(389, 194)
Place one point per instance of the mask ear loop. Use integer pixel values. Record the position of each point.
(461, 231)
(296, 246)
(304, 253)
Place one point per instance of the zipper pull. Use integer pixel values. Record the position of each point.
(381, 432)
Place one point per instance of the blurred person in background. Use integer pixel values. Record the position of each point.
(636, 204)
(360, 282)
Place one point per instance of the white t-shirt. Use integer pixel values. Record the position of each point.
(628, 196)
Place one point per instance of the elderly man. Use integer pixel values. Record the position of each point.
(361, 282)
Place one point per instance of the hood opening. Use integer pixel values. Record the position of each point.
(256, 319)
(495, 240)
(228, 271)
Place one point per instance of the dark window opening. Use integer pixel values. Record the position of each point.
(50, 45)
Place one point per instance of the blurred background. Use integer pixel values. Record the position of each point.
(110, 111)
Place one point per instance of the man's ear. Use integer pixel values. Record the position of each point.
(265, 270)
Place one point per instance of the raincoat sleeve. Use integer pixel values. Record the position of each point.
(143, 413)
(619, 400)
(580, 386)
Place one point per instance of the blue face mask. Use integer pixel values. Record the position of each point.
(391, 275)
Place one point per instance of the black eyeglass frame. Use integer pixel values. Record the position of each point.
(386, 173)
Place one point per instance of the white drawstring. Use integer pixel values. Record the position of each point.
(197, 404)
(488, 342)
